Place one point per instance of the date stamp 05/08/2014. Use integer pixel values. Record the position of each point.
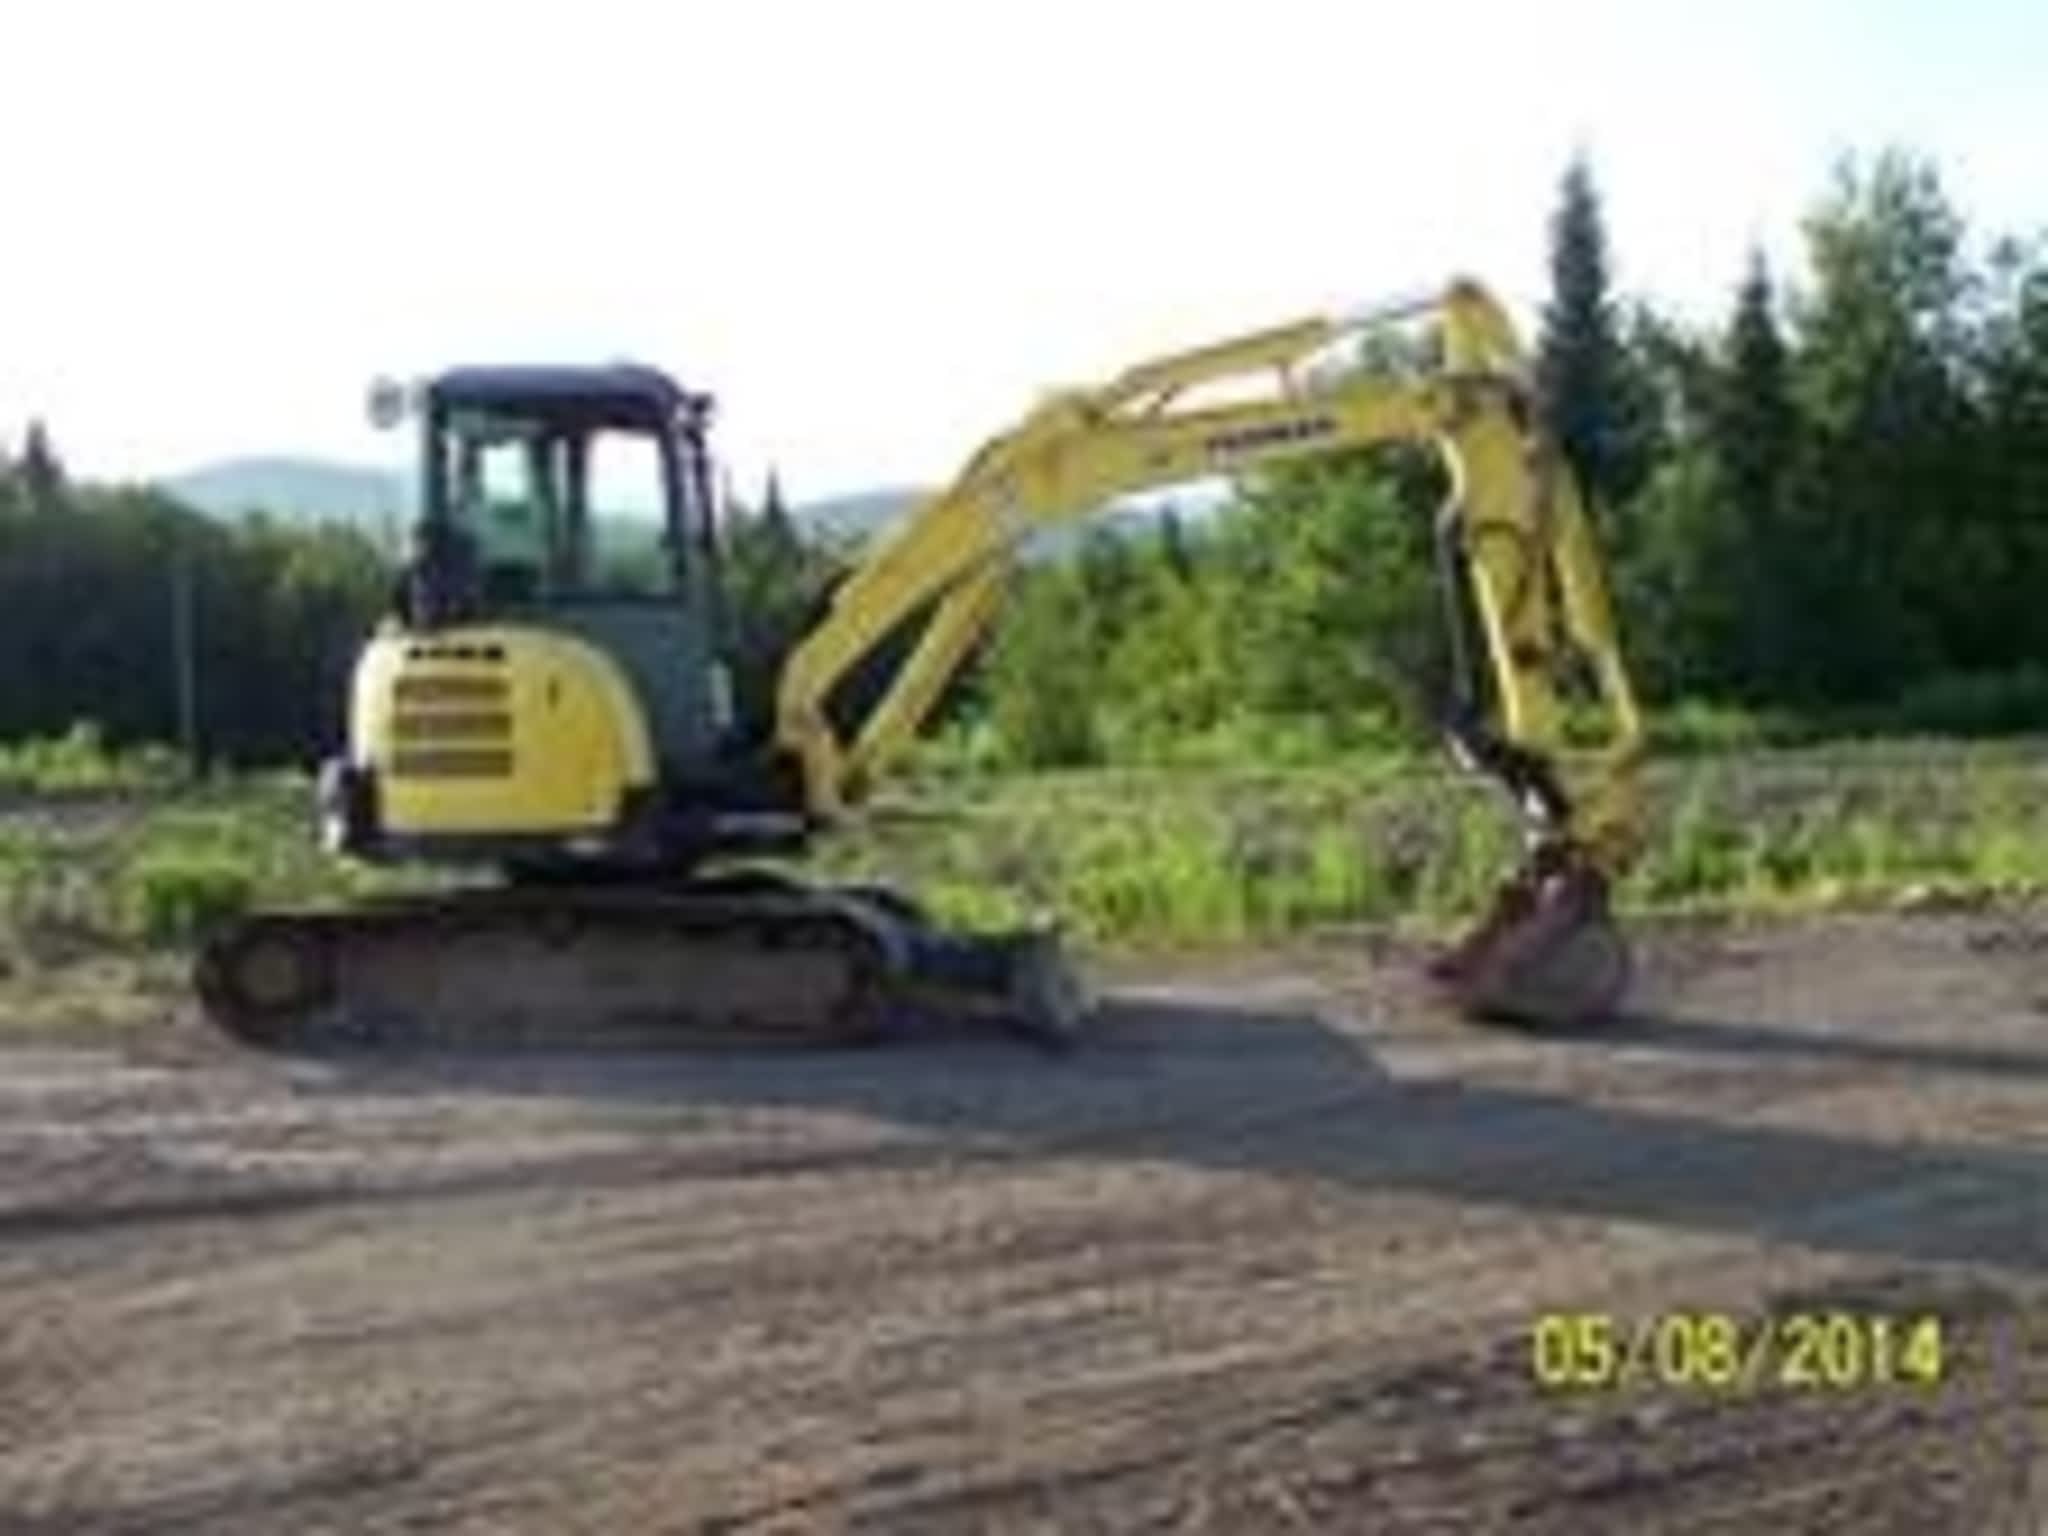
(1821, 1351)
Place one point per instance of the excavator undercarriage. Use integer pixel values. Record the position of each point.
(739, 959)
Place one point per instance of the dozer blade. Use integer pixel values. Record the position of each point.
(1548, 954)
(1022, 981)
(756, 963)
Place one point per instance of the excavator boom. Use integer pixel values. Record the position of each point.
(1514, 532)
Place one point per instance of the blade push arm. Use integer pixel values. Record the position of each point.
(1522, 537)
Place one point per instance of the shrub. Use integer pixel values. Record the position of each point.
(81, 762)
(1692, 725)
(1974, 703)
(174, 898)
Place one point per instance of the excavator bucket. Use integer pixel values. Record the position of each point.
(1547, 954)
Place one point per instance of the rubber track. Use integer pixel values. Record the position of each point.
(566, 966)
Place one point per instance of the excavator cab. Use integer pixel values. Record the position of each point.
(570, 485)
(552, 690)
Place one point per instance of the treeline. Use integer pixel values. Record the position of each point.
(123, 608)
(1829, 503)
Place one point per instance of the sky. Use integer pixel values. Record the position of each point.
(876, 231)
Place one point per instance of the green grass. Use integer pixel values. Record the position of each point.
(175, 897)
(1158, 857)
(158, 869)
(81, 762)
(1141, 858)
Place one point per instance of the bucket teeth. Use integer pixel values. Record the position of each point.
(1547, 953)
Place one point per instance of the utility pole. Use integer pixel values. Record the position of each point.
(185, 663)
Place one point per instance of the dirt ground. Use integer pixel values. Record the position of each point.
(1267, 1256)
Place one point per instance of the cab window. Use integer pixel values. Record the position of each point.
(626, 490)
(504, 489)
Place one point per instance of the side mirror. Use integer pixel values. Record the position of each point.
(389, 403)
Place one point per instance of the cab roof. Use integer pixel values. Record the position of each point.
(616, 394)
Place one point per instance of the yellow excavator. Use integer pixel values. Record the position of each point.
(551, 703)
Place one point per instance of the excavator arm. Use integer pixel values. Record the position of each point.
(1513, 528)
(1514, 539)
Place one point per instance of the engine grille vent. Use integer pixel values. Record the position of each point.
(451, 726)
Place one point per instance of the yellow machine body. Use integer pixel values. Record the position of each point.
(496, 731)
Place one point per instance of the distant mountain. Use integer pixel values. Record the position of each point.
(867, 513)
(860, 515)
(323, 490)
(295, 489)
(380, 502)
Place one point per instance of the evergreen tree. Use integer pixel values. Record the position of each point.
(1753, 431)
(42, 473)
(1754, 422)
(1893, 559)
(2012, 463)
(1577, 359)
(777, 528)
(768, 597)
(1651, 391)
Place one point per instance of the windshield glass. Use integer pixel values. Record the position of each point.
(558, 512)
